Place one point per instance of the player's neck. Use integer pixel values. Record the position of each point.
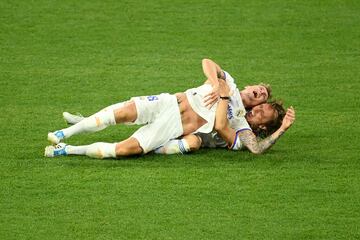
(243, 99)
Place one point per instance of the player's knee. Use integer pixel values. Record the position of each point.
(126, 113)
(122, 150)
(193, 141)
(127, 148)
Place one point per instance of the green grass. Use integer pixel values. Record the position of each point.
(80, 56)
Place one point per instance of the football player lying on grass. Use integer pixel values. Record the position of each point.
(268, 122)
(166, 116)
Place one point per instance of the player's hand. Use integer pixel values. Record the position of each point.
(211, 98)
(289, 118)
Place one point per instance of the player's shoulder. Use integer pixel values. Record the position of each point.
(238, 144)
(229, 79)
(227, 75)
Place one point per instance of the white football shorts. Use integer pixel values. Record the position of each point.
(162, 117)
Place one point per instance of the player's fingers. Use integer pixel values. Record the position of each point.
(290, 109)
(208, 96)
(291, 119)
(210, 104)
(210, 101)
(207, 103)
(290, 114)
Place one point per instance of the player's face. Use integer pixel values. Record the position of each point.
(261, 115)
(254, 95)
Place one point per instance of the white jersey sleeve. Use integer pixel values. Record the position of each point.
(237, 144)
(230, 81)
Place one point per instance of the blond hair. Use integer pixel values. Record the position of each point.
(268, 89)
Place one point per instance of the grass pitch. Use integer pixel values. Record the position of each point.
(80, 56)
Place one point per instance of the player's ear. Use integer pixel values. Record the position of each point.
(262, 127)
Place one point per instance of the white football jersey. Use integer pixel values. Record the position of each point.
(235, 114)
(195, 97)
(236, 110)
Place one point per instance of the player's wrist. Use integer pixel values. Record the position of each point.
(282, 130)
(224, 97)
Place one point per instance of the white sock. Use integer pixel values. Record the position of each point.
(173, 147)
(76, 150)
(94, 123)
(95, 150)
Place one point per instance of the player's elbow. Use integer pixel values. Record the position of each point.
(206, 61)
(256, 151)
(220, 126)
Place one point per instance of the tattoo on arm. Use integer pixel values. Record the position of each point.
(274, 139)
(221, 75)
(250, 141)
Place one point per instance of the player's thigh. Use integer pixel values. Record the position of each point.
(159, 132)
(149, 108)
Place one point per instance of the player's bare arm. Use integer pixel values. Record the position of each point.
(247, 137)
(221, 122)
(258, 147)
(212, 72)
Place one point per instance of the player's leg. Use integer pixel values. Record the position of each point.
(188, 143)
(125, 112)
(95, 150)
(162, 114)
(100, 150)
(75, 118)
(159, 112)
(128, 147)
(164, 125)
(139, 110)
